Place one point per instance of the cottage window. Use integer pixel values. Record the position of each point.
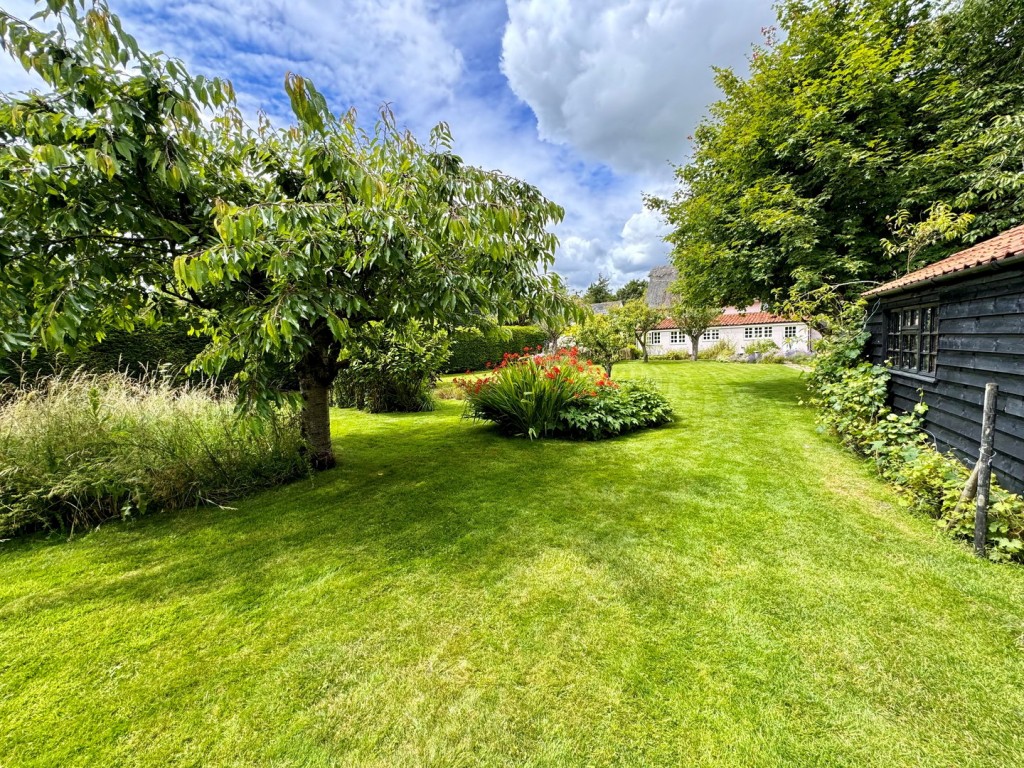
(757, 332)
(912, 339)
(789, 332)
(712, 334)
(654, 337)
(676, 337)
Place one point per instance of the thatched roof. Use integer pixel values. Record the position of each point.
(602, 307)
(660, 279)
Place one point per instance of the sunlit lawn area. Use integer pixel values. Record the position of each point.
(733, 590)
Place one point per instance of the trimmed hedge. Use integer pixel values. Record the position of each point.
(148, 348)
(471, 349)
(133, 353)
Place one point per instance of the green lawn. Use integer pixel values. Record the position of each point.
(732, 590)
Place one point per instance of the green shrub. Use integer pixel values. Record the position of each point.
(449, 390)
(722, 350)
(77, 449)
(472, 349)
(675, 354)
(392, 370)
(760, 346)
(615, 409)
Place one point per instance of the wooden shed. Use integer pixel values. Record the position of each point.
(948, 329)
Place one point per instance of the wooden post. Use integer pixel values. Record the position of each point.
(988, 424)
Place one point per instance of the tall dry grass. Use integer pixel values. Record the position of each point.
(80, 448)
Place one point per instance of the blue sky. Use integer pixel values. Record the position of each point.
(591, 100)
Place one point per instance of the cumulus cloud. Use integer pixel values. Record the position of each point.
(361, 51)
(589, 101)
(624, 81)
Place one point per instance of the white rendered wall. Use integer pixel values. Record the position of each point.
(736, 334)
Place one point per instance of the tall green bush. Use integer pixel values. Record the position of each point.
(393, 370)
(79, 448)
(472, 350)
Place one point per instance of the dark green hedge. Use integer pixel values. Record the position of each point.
(472, 350)
(144, 349)
(149, 348)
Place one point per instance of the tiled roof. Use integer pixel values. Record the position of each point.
(999, 248)
(748, 318)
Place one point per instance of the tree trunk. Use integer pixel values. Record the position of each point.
(643, 347)
(694, 343)
(316, 421)
(608, 369)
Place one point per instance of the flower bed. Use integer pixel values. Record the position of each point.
(558, 394)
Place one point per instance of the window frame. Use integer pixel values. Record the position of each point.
(753, 332)
(676, 337)
(789, 332)
(654, 337)
(712, 334)
(911, 335)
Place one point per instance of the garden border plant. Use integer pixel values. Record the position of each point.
(79, 448)
(850, 394)
(561, 395)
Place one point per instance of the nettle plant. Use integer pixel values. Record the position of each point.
(560, 394)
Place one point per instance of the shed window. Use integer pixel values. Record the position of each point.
(912, 338)
(654, 337)
(790, 332)
(757, 332)
(676, 337)
(712, 334)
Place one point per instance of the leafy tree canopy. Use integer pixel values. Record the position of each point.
(693, 319)
(120, 202)
(853, 113)
(601, 339)
(635, 318)
(632, 289)
(599, 291)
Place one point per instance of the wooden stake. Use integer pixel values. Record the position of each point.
(988, 425)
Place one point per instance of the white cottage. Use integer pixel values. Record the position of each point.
(739, 326)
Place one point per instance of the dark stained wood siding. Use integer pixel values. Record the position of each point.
(981, 339)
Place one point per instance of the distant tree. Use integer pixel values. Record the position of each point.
(600, 339)
(693, 320)
(637, 319)
(599, 291)
(634, 289)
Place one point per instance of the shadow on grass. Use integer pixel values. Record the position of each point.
(454, 497)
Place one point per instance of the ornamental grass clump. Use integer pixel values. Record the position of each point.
(558, 394)
(77, 449)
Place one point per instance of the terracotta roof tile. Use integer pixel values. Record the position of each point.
(748, 318)
(999, 248)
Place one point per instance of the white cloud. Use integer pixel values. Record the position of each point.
(624, 81)
(362, 51)
(615, 86)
